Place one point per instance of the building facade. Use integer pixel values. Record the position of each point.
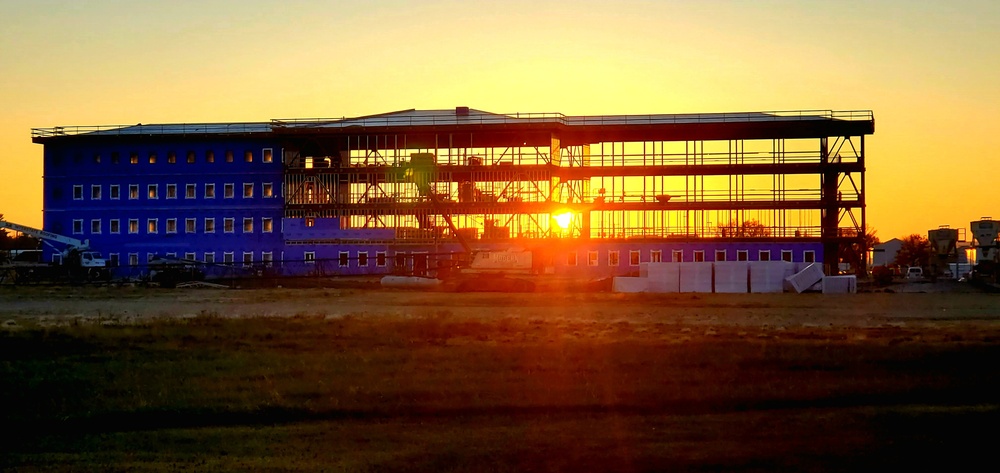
(590, 196)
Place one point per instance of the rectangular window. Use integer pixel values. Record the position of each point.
(380, 259)
(266, 258)
(97, 158)
(227, 257)
(248, 156)
(267, 189)
(613, 258)
(189, 256)
(247, 190)
(210, 158)
(171, 225)
(190, 225)
(247, 225)
(786, 255)
(133, 225)
(343, 258)
(116, 157)
(77, 192)
(151, 225)
(151, 191)
(699, 255)
(229, 225)
(190, 191)
(571, 259)
(764, 255)
(633, 258)
(267, 155)
(247, 258)
(676, 256)
(95, 192)
(655, 256)
(133, 158)
(229, 155)
(362, 258)
(114, 192)
(95, 226)
(228, 191)
(78, 226)
(150, 256)
(113, 260)
(171, 191)
(57, 258)
(171, 255)
(152, 158)
(210, 225)
(133, 259)
(209, 191)
(190, 160)
(172, 157)
(742, 255)
(209, 257)
(266, 225)
(133, 191)
(115, 226)
(310, 221)
(309, 257)
(399, 260)
(591, 258)
(720, 255)
(809, 256)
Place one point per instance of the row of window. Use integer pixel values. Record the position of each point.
(171, 225)
(656, 256)
(190, 191)
(152, 157)
(266, 258)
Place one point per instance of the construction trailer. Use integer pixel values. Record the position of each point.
(589, 196)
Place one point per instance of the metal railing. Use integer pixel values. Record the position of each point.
(449, 118)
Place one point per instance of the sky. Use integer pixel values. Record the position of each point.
(929, 70)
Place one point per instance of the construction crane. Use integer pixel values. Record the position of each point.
(79, 262)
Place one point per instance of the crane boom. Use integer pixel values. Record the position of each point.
(71, 242)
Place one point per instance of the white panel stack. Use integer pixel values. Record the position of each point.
(767, 276)
(664, 277)
(695, 277)
(623, 284)
(840, 284)
(643, 270)
(731, 276)
(806, 278)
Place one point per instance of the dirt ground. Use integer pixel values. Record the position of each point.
(925, 306)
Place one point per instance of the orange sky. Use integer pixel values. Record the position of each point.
(928, 69)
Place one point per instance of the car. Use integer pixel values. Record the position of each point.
(914, 272)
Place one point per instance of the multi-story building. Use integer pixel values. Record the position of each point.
(591, 195)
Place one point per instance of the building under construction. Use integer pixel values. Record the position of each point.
(588, 195)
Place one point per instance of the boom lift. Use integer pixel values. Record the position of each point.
(79, 262)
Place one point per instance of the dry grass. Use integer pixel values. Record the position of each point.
(464, 386)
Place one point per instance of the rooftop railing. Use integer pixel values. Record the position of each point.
(451, 118)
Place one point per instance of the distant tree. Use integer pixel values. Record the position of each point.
(915, 251)
(20, 242)
(747, 229)
(856, 254)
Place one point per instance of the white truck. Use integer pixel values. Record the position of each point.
(79, 262)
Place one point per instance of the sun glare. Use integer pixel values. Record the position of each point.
(563, 219)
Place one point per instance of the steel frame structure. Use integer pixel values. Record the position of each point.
(776, 175)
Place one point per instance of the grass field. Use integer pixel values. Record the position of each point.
(323, 380)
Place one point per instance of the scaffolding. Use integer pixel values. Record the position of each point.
(795, 175)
